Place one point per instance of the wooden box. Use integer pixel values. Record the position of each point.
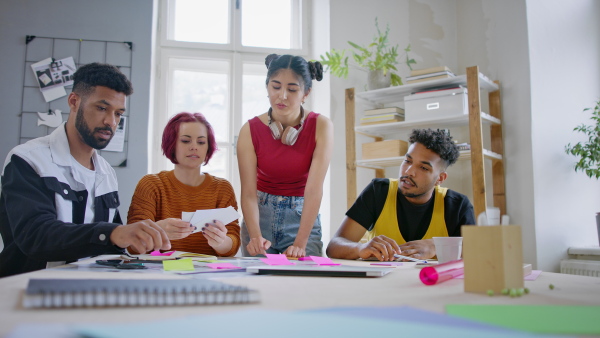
(493, 258)
(384, 149)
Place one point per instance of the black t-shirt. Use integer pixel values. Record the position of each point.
(413, 220)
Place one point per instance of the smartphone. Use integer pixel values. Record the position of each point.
(120, 264)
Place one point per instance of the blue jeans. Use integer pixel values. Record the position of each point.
(279, 219)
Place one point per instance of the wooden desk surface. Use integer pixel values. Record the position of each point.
(400, 287)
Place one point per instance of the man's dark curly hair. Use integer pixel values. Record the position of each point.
(438, 141)
(100, 74)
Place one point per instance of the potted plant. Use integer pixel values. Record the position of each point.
(378, 58)
(588, 152)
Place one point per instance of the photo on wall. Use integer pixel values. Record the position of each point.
(55, 73)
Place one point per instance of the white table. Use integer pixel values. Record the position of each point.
(400, 287)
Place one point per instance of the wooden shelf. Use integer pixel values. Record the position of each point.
(475, 120)
(384, 129)
(382, 163)
(397, 93)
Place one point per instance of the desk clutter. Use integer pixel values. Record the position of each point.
(477, 315)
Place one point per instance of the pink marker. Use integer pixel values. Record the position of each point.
(431, 275)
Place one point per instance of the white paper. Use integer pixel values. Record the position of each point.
(187, 216)
(54, 93)
(201, 217)
(52, 119)
(52, 76)
(118, 140)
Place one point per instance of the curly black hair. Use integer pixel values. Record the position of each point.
(100, 74)
(438, 141)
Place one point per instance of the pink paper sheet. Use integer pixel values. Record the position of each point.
(158, 253)
(323, 260)
(277, 259)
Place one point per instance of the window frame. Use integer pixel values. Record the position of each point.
(166, 15)
(234, 52)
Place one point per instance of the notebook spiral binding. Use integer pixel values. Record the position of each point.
(61, 293)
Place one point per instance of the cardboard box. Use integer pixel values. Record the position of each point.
(384, 149)
(436, 104)
(493, 258)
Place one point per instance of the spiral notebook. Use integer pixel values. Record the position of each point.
(60, 293)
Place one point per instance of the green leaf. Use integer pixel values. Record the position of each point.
(588, 154)
(377, 55)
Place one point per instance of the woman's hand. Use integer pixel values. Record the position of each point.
(257, 246)
(295, 251)
(176, 228)
(216, 235)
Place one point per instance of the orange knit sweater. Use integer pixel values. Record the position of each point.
(160, 196)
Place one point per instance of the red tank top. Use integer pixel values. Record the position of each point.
(281, 169)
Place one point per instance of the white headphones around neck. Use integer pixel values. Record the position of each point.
(289, 136)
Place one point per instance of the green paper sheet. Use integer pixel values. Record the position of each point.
(179, 265)
(561, 319)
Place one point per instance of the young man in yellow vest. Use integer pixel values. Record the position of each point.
(403, 215)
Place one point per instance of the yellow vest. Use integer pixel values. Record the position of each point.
(387, 223)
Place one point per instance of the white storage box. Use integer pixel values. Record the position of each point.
(436, 104)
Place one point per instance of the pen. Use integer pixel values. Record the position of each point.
(410, 258)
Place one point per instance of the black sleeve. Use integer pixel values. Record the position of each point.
(31, 213)
(369, 204)
(458, 212)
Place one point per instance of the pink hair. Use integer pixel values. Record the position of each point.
(169, 138)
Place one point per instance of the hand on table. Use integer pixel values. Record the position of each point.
(295, 251)
(143, 236)
(176, 228)
(257, 246)
(421, 249)
(381, 247)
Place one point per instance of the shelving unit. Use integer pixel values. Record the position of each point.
(475, 120)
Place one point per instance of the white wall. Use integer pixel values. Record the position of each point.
(564, 51)
(493, 36)
(111, 20)
(546, 56)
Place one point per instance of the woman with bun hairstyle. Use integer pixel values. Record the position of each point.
(283, 156)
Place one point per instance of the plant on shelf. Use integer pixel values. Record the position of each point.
(378, 58)
(588, 152)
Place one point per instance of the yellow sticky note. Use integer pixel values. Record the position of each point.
(179, 265)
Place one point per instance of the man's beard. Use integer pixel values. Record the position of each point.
(88, 135)
(413, 194)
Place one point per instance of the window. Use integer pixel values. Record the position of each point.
(211, 60)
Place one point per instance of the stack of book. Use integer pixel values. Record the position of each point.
(463, 146)
(428, 74)
(382, 115)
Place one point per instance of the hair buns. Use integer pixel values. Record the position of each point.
(316, 70)
(270, 58)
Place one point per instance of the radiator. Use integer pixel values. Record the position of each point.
(580, 267)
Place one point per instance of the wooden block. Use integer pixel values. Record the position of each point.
(383, 149)
(493, 258)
